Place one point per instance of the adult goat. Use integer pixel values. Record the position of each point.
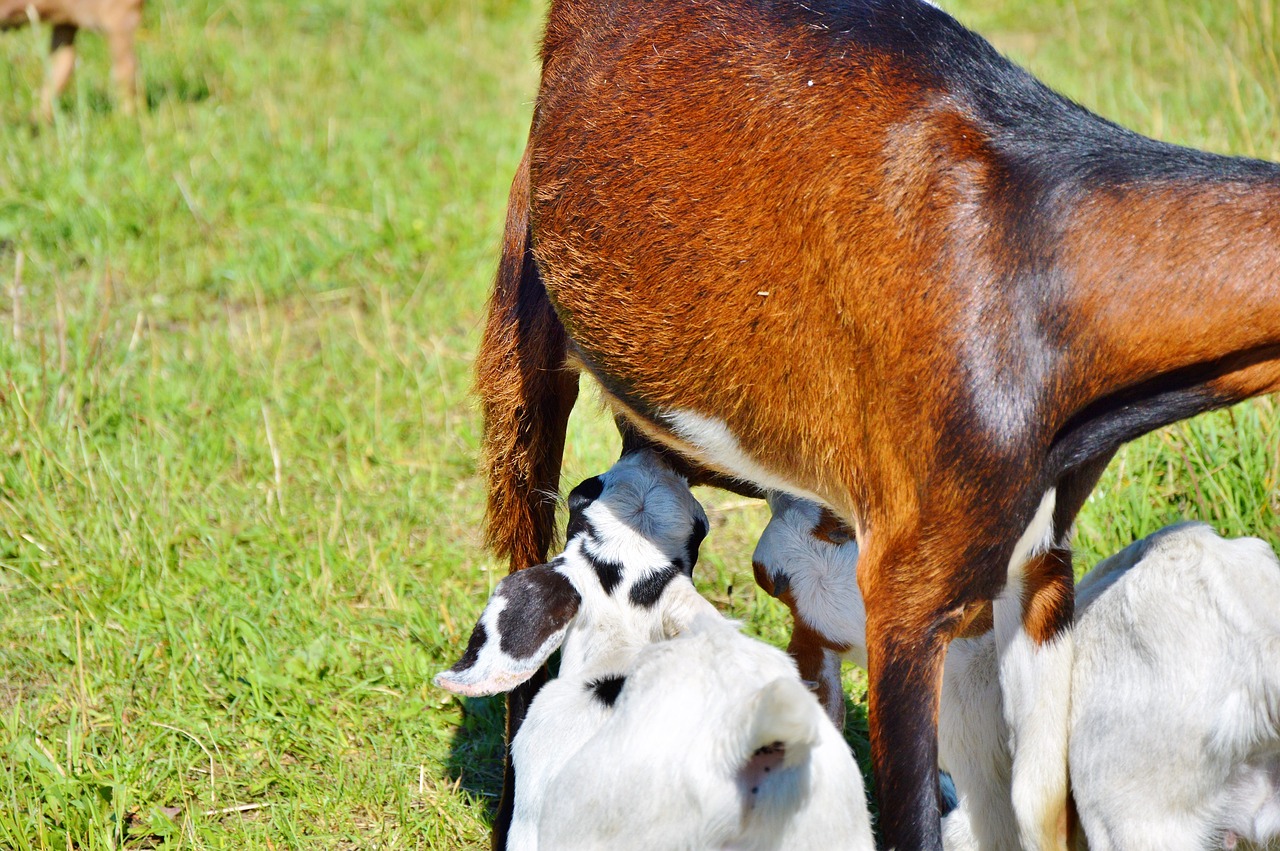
(844, 249)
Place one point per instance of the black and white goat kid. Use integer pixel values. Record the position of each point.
(730, 748)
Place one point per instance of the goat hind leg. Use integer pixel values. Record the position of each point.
(124, 63)
(911, 617)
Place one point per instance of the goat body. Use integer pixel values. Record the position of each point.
(950, 268)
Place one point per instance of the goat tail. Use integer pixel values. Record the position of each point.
(526, 392)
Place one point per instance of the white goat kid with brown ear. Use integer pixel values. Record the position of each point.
(708, 741)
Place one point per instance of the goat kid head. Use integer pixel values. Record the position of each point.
(622, 581)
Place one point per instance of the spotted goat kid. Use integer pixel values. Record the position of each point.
(666, 727)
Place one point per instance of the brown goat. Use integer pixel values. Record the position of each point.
(118, 19)
(844, 249)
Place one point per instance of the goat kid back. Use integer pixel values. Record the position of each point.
(1177, 687)
(951, 269)
(714, 744)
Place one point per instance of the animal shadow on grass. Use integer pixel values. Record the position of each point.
(477, 751)
(182, 88)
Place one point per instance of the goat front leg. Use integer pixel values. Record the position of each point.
(62, 61)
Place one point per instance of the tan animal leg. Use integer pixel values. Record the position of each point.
(124, 64)
(62, 61)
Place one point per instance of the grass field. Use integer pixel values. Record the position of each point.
(239, 520)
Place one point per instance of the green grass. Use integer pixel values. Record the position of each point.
(239, 520)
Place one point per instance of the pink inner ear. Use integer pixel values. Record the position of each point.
(763, 763)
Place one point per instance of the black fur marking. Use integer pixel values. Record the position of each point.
(477, 640)
(907, 784)
(540, 602)
(607, 689)
(579, 498)
(608, 572)
(691, 546)
(647, 591)
(585, 493)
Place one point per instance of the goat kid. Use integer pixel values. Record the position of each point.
(118, 19)
(1175, 696)
(714, 744)
(643, 743)
(950, 266)
(1177, 644)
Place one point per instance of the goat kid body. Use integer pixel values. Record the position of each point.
(644, 742)
(714, 744)
(118, 19)
(951, 268)
(1175, 742)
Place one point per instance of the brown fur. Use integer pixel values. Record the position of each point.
(832, 245)
(978, 620)
(1048, 595)
(117, 19)
(813, 660)
(526, 394)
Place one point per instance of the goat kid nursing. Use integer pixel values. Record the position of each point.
(666, 727)
(1175, 691)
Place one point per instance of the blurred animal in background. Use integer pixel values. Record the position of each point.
(666, 727)
(117, 19)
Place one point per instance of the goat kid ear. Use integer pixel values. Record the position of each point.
(783, 725)
(521, 626)
(683, 607)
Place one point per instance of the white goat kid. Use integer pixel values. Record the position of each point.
(648, 743)
(1175, 740)
(1175, 696)
(714, 744)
